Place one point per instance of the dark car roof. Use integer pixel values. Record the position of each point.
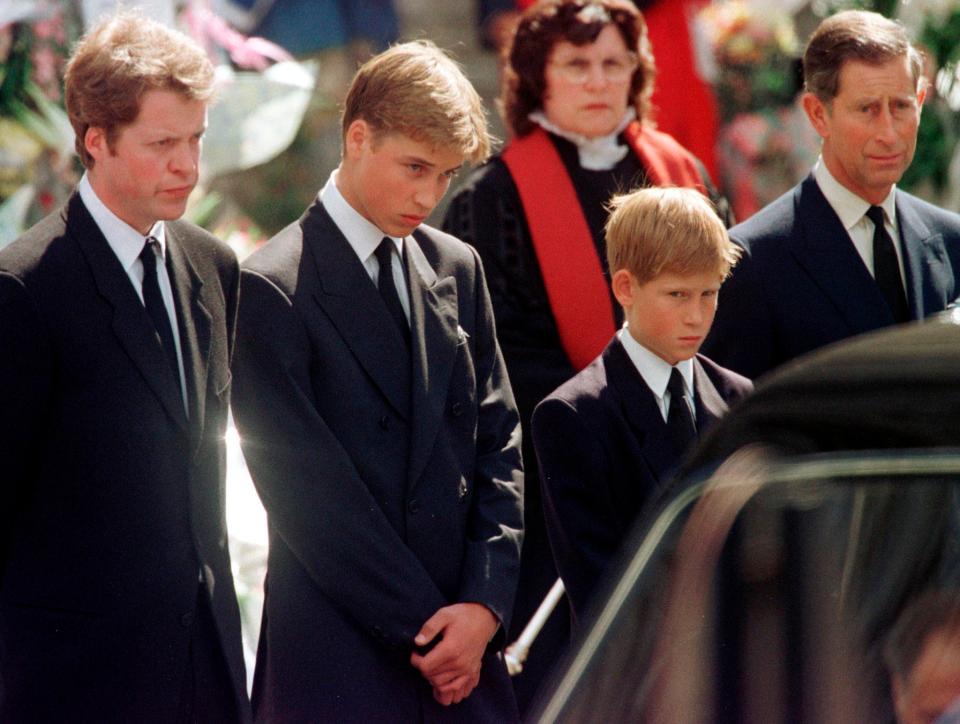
(898, 387)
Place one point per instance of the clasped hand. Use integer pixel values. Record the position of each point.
(453, 666)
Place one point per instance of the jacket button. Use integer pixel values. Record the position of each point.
(463, 489)
(186, 619)
(456, 409)
(413, 506)
(384, 422)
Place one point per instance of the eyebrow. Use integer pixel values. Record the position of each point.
(417, 160)
(428, 164)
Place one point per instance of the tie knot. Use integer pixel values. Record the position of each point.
(384, 252)
(148, 255)
(875, 214)
(675, 386)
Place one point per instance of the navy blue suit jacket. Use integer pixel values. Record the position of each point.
(603, 450)
(801, 284)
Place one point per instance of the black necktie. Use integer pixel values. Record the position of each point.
(153, 301)
(388, 289)
(886, 269)
(680, 424)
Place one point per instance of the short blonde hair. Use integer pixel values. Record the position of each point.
(117, 62)
(417, 90)
(654, 231)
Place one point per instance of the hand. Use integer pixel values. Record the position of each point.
(453, 666)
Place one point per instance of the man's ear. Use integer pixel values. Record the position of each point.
(623, 284)
(358, 133)
(95, 141)
(817, 112)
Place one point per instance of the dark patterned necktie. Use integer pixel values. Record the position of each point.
(153, 301)
(680, 425)
(886, 268)
(388, 289)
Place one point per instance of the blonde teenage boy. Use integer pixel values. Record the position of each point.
(380, 428)
(611, 436)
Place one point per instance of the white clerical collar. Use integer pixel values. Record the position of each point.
(849, 207)
(596, 154)
(654, 370)
(362, 235)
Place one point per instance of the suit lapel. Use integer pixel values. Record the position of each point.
(131, 324)
(193, 320)
(640, 408)
(435, 335)
(350, 300)
(825, 250)
(710, 406)
(930, 279)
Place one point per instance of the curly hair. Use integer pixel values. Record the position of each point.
(548, 22)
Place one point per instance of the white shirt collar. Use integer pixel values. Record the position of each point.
(596, 154)
(654, 370)
(362, 235)
(126, 242)
(849, 207)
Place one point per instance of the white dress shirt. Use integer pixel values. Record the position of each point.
(852, 209)
(364, 238)
(655, 371)
(127, 243)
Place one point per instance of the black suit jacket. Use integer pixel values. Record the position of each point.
(391, 480)
(603, 450)
(801, 284)
(112, 496)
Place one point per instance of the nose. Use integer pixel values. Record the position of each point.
(596, 77)
(886, 128)
(429, 195)
(185, 158)
(695, 313)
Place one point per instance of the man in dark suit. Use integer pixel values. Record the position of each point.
(116, 329)
(845, 252)
(380, 428)
(609, 438)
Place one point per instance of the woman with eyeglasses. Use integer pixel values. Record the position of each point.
(578, 78)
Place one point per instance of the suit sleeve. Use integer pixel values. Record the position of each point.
(743, 336)
(231, 304)
(25, 373)
(495, 528)
(581, 524)
(315, 499)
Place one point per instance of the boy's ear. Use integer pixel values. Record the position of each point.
(622, 283)
(358, 132)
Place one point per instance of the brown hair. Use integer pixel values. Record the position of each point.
(417, 90)
(858, 35)
(548, 22)
(117, 62)
(667, 229)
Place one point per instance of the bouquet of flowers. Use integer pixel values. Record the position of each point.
(753, 55)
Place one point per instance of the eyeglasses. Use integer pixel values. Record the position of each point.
(615, 69)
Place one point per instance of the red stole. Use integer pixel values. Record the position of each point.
(572, 271)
